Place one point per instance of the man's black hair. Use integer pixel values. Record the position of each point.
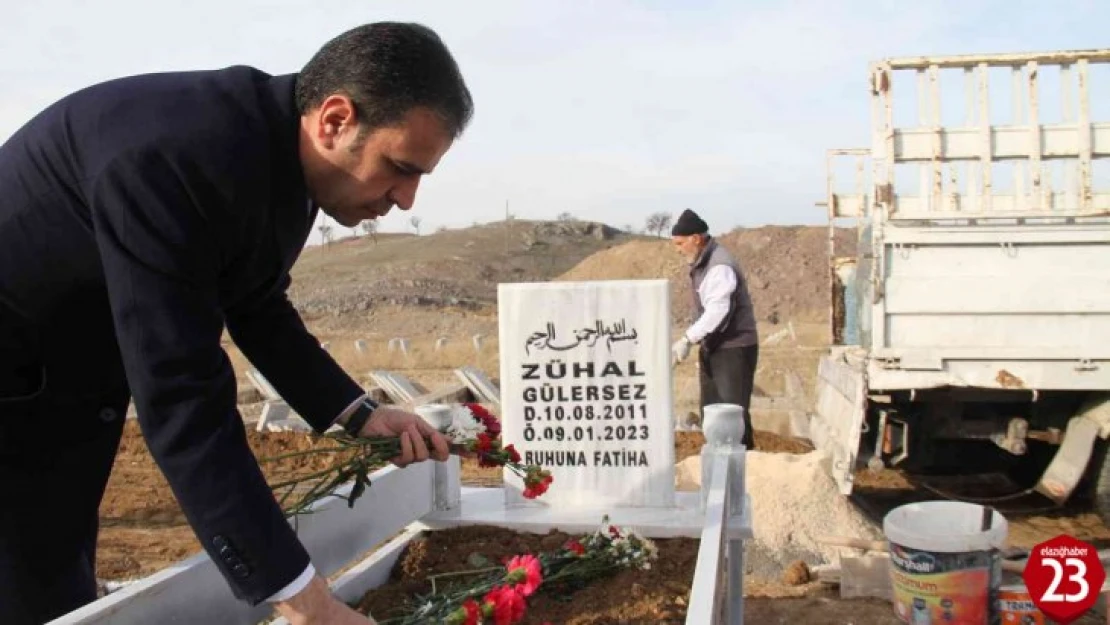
(388, 68)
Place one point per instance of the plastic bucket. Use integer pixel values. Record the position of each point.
(944, 567)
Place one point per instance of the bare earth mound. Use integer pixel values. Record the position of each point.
(457, 271)
(452, 270)
(785, 267)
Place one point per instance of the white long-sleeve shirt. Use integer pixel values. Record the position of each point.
(715, 293)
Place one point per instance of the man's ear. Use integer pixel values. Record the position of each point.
(336, 118)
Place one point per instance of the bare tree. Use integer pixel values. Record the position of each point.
(565, 216)
(657, 223)
(415, 221)
(370, 227)
(664, 222)
(325, 232)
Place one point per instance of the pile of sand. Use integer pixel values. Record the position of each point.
(794, 502)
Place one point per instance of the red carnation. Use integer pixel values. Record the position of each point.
(525, 572)
(490, 422)
(536, 481)
(473, 612)
(469, 613)
(504, 605)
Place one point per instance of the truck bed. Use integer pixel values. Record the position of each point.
(1001, 306)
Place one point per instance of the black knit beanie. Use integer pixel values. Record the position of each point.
(689, 223)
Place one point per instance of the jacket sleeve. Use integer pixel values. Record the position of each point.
(157, 236)
(272, 336)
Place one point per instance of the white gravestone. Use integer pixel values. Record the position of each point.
(586, 390)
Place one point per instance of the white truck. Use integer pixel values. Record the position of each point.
(972, 326)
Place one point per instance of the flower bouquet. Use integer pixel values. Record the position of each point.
(471, 430)
(499, 595)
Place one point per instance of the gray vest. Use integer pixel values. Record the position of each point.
(738, 327)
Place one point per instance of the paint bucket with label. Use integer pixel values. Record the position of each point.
(944, 562)
(1015, 606)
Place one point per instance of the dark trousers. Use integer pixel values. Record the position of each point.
(726, 377)
(55, 460)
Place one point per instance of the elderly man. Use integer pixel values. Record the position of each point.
(725, 326)
(138, 219)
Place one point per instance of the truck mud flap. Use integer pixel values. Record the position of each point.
(837, 423)
(1070, 462)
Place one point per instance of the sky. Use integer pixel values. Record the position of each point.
(609, 111)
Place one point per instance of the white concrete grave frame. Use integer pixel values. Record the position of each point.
(277, 415)
(401, 504)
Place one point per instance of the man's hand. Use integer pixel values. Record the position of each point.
(412, 430)
(680, 350)
(315, 605)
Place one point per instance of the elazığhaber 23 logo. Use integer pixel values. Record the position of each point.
(1064, 576)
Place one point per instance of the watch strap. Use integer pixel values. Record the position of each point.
(360, 416)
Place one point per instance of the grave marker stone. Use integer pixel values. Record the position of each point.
(586, 390)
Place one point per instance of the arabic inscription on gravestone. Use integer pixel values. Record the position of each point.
(586, 389)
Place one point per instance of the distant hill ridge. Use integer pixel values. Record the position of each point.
(786, 266)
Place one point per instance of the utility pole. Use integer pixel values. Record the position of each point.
(507, 228)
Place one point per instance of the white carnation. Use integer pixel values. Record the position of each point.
(464, 425)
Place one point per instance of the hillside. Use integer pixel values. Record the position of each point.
(453, 274)
(454, 270)
(785, 267)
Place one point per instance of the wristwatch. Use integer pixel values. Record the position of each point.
(359, 416)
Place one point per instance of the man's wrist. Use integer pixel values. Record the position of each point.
(342, 417)
(294, 587)
(357, 415)
(310, 605)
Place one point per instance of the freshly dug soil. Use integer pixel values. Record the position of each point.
(658, 595)
(142, 528)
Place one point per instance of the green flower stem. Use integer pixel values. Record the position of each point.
(488, 569)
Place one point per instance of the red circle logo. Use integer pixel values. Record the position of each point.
(1064, 577)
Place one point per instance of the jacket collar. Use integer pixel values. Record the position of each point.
(294, 213)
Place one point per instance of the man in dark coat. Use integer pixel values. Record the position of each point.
(138, 219)
(725, 327)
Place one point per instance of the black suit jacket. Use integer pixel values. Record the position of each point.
(137, 218)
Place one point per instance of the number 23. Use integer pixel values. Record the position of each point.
(1078, 577)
